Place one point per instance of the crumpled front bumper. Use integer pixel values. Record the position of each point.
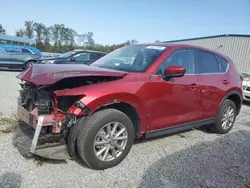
(29, 140)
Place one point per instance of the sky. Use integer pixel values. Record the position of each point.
(114, 21)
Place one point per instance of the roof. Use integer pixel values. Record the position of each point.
(80, 50)
(207, 37)
(17, 39)
(182, 46)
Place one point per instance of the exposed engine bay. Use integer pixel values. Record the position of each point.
(44, 101)
(43, 97)
(47, 113)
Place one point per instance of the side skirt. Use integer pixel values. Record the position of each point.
(179, 128)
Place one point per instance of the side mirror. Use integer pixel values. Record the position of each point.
(174, 71)
(73, 59)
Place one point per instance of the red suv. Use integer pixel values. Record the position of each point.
(142, 90)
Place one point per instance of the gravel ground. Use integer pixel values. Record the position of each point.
(8, 92)
(191, 159)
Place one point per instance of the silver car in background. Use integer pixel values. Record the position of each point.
(17, 57)
(246, 86)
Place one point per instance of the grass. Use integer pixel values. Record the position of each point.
(7, 124)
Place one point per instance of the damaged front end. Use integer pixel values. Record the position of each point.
(47, 118)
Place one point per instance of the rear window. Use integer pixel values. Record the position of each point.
(206, 62)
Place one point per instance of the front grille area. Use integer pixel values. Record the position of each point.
(247, 97)
(246, 88)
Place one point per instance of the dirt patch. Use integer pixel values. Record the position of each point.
(7, 124)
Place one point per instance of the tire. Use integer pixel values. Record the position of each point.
(88, 134)
(28, 64)
(218, 126)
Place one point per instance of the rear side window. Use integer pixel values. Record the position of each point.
(206, 62)
(25, 51)
(93, 56)
(223, 64)
(82, 56)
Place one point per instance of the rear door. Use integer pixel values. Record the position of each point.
(211, 80)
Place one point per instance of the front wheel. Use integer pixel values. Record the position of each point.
(105, 139)
(226, 117)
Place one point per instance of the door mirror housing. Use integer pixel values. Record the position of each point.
(174, 71)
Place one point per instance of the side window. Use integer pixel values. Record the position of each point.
(182, 58)
(82, 57)
(25, 51)
(93, 56)
(206, 62)
(223, 64)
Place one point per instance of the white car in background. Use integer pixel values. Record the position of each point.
(246, 86)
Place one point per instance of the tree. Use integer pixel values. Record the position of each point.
(89, 39)
(55, 33)
(81, 39)
(20, 33)
(133, 41)
(129, 42)
(47, 35)
(60, 38)
(2, 30)
(29, 29)
(39, 29)
(157, 41)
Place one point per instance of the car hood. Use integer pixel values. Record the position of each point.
(246, 83)
(44, 74)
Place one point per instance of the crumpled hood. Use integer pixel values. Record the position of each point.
(246, 83)
(47, 74)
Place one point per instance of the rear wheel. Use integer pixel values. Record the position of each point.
(105, 139)
(28, 64)
(226, 117)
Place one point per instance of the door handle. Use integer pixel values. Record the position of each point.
(193, 86)
(225, 82)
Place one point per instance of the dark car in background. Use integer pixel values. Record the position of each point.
(74, 57)
(14, 56)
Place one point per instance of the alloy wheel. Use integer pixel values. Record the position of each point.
(110, 141)
(227, 118)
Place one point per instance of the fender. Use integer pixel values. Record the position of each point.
(232, 92)
(96, 103)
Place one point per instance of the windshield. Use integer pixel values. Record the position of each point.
(134, 58)
(245, 75)
(68, 54)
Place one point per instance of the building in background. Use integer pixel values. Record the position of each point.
(236, 47)
(9, 39)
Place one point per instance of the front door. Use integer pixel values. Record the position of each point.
(4, 58)
(175, 101)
